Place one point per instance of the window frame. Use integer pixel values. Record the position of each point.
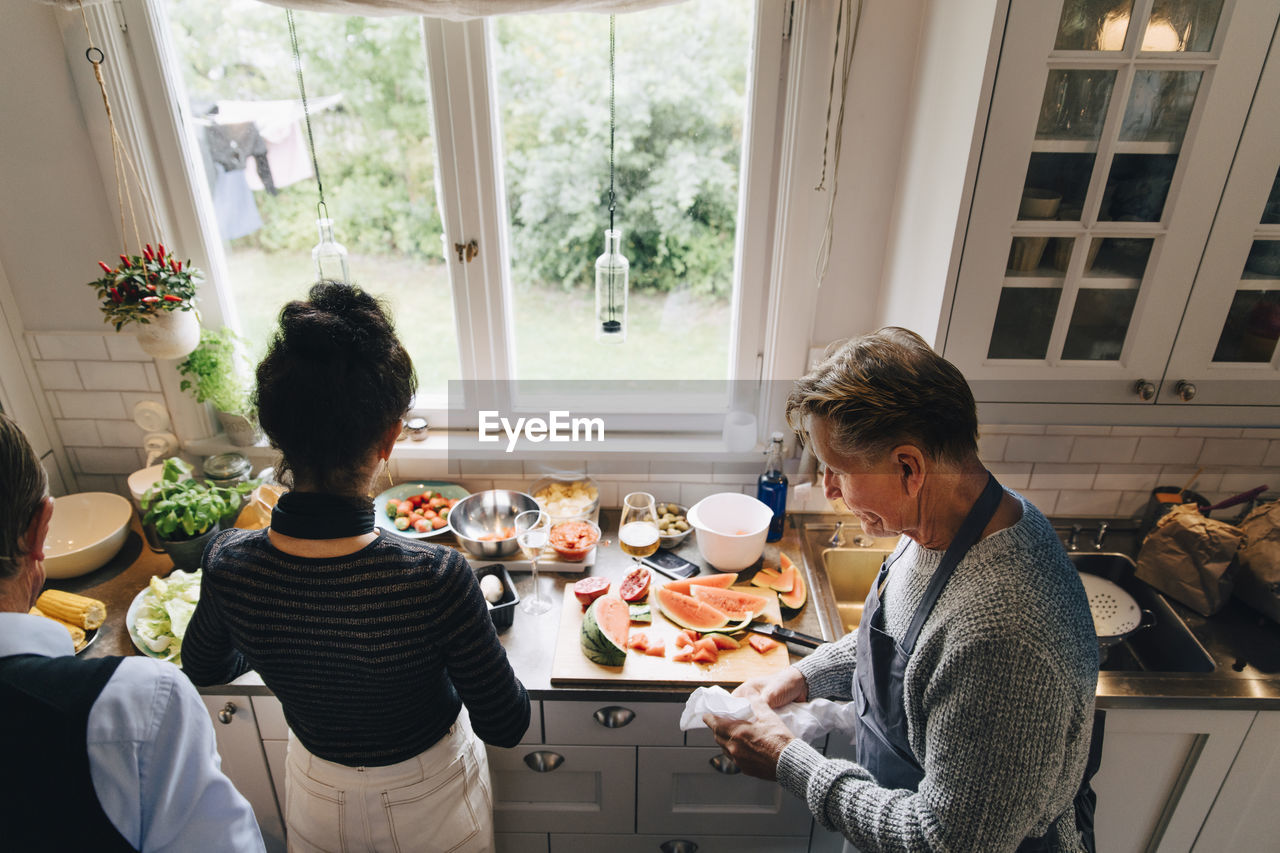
(471, 197)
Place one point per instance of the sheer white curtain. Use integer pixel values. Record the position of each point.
(455, 10)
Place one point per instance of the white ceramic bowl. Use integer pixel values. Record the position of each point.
(87, 530)
(731, 528)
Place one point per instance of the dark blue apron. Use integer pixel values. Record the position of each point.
(883, 746)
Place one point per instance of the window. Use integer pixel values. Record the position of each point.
(430, 134)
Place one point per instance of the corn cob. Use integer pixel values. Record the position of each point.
(78, 638)
(88, 613)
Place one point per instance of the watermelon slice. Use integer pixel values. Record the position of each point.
(640, 613)
(724, 642)
(765, 578)
(722, 581)
(706, 651)
(658, 649)
(683, 656)
(604, 631)
(688, 612)
(796, 597)
(638, 641)
(736, 605)
(762, 644)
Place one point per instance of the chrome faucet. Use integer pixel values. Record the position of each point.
(1100, 536)
(1071, 540)
(837, 538)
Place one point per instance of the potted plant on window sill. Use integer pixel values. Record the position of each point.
(215, 373)
(156, 291)
(185, 513)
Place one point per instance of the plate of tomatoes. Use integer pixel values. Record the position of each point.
(417, 510)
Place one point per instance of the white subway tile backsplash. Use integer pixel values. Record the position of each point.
(1043, 499)
(991, 447)
(425, 469)
(124, 347)
(1233, 451)
(106, 460)
(512, 485)
(113, 376)
(1111, 449)
(1130, 478)
(1052, 476)
(623, 470)
(491, 467)
(99, 483)
(1210, 432)
(1259, 432)
(153, 378)
(79, 433)
(609, 496)
(1168, 450)
(1077, 430)
(691, 493)
(740, 473)
(51, 397)
(1272, 459)
(1132, 504)
(58, 375)
(1181, 475)
(90, 404)
(1142, 430)
(133, 398)
(70, 345)
(476, 485)
(663, 491)
(1013, 429)
(1235, 482)
(120, 434)
(1012, 475)
(1038, 448)
(1091, 502)
(680, 472)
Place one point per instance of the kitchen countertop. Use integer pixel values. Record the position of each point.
(1244, 645)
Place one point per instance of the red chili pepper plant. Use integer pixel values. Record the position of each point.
(141, 286)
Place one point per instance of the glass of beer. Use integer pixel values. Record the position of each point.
(533, 530)
(638, 530)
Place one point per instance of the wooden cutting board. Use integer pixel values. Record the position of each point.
(571, 666)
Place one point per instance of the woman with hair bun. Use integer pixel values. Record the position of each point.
(380, 648)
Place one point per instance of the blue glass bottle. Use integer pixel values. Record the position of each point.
(771, 488)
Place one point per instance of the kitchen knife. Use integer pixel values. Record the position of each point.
(785, 635)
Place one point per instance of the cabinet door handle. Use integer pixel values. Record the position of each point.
(1185, 390)
(614, 716)
(678, 845)
(228, 711)
(543, 761)
(1145, 389)
(724, 764)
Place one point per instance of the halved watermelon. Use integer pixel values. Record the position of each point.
(795, 599)
(688, 612)
(722, 581)
(736, 605)
(604, 631)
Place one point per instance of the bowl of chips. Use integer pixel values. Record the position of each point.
(568, 497)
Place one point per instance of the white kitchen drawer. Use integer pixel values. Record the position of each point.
(692, 843)
(613, 723)
(534, 733)
(520, 842)
(702, 737)
(590, 789)
(681, 791)
(270, 714)
(240, 748)
(276, 752)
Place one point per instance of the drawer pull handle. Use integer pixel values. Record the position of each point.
(226, 713)
(1185, 390)
(724, 764)
(678, 845)
(543, 761)
(614, 716)
(1145, 389)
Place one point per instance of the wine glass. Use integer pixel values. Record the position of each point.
(533, 529)
(638, 529)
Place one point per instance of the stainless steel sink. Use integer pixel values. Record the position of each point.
(1168, 645)
(851, 570)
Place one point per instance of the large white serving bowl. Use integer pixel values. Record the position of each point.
(87, 530)
(731, 528)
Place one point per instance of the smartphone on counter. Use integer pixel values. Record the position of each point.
(670, 564)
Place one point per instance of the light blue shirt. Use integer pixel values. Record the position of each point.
(152, 754)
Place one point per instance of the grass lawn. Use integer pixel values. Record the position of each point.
(673, 335)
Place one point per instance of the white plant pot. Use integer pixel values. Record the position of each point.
(170, 334)
(240, 431)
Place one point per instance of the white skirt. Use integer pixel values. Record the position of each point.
(440, 800)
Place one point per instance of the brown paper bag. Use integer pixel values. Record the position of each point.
(1258, 577)
(1190, 558)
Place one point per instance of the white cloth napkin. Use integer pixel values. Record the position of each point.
(806, 720)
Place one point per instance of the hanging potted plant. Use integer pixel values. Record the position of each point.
(215, 373)
(157, 291)
(185, 513)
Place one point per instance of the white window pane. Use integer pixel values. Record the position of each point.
(365, 80)
(680, 101)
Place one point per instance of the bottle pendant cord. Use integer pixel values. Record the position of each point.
(612, 269)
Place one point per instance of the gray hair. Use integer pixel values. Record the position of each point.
(884, 389)
(23, 488)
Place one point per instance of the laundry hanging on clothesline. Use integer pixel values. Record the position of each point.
(280, 125)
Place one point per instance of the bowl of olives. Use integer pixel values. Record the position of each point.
(673, 527)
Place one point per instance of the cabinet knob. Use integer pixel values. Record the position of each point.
(1185, 390)
(724, 764)
(678, 845)
(1145, 389)
(543, 761)
(614, 716)
(228, 711)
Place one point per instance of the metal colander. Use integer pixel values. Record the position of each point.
(1115, 613)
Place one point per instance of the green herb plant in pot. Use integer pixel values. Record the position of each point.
(185, 513)
(215, 373)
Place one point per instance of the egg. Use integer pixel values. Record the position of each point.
(491, 588)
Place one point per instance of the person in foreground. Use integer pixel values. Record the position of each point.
(100, 754)
(380, 648)
(975, 664)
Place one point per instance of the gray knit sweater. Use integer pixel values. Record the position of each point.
(999, 696)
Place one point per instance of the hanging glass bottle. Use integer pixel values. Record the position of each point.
(612, 272)
(329, 255)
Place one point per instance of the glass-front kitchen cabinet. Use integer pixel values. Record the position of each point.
(1123, 237)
